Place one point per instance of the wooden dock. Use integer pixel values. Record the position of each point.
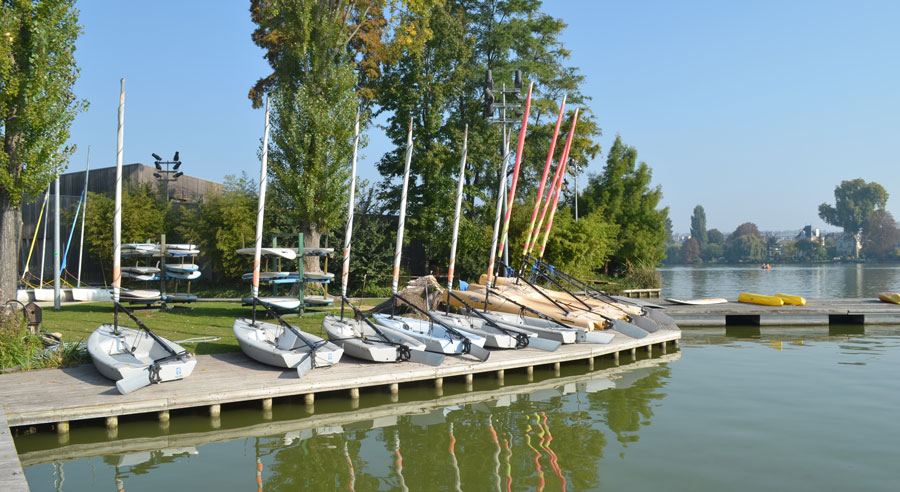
(57, 396)
(815, 312)
(12, 478)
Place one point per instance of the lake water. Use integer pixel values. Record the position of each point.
(798, 409)
(832, 280)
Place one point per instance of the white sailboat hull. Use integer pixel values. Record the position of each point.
(113, 356)
(274, 345)
(435, 337)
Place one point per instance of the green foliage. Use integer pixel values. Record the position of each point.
(37, 104)
(642, 276)
(143, 216)
(806, 250)
(715, 236)
(624, 195)
(854, 201)
(698, 226)
(580, 247)
(18, 347)
(227, 222)
(712, 252)
(881, 236)
(745, 248)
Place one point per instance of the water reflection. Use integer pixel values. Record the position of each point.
(547, 435)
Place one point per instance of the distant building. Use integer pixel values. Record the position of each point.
(847, 245)
(811, 233)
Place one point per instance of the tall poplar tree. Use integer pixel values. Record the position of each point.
(37, 106)
(698, 226)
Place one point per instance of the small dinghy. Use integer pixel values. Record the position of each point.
(133, 358)
(363, 340)
(283, 345)
(436, 336)
(137, 358)
(497, 335)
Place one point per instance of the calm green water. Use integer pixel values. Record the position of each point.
(833, 280)
(800, 409)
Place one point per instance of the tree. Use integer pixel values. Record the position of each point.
(881, 236)
(143, 218)
(712, 252)
(623, 194)
(854, 200)
(743, 230)
(37, 106)
(690, 250)
(715, 236)
(227, 222)
(319, 52)
(698, 226)
(580, 247)
(808, 250)
(746, 247)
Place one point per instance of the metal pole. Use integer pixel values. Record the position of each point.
(56, 230)
(44, 245)
(520, 148)
(577, 172)
(117, 220)
(402, 218)
(500, 199)
(87, 173)
(257, 254)
(345, 266)
(459, 194)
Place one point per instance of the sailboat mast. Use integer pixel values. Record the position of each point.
(459, 194)
(260, 209)
(540, 193)
(345, 267)
(564, 163)
(117, 219)
(87, 173)
(501, 194)
(402, 219)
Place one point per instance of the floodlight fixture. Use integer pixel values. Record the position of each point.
(157, 157)
(177, 165)
(157, 176)
(178, 175)
(517, 79)
(176, 156)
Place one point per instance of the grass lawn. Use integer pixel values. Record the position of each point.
(200, 319)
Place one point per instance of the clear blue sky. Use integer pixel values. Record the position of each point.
(755, 110)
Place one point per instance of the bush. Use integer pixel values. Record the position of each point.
(19, 347)
(642, 276)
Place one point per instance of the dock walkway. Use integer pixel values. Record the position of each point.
(815, 312)
(57, 396)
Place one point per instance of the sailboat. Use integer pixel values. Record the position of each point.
(282, 344)
(437, 336)
(361, 338)
(133, 358)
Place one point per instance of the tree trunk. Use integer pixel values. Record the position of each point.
(9, 248)
(312, 237)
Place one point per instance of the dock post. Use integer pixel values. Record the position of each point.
(663, 347)
(215, 410)
(529, 373)
(590, 362)
(633, 353)
(501, 374)
(394, 388)
(309, 398)
(163, 416)
(469, 378)
(62, 427)
(112, 422)
(616, 357)
(267, 408)
(650, 349)
(439, 382)
(354, 393)
(556, 369)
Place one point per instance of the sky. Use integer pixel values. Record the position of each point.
(754, 110)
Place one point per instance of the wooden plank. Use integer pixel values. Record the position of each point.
(816, 311)
(53, 395)
(12, 478)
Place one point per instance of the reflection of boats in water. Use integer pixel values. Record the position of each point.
(420, 413)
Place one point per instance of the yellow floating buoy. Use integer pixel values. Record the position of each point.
(893, 297)
(760, 299)
(789, 299)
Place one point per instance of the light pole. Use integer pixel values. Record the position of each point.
(167, 175)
